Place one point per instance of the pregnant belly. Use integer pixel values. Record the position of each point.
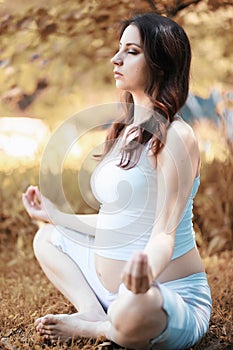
(109, 272)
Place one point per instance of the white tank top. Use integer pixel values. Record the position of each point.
(128, 205)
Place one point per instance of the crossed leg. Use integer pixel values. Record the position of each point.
(69, 280)
(132, 319)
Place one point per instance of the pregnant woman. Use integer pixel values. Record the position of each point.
(133, 271)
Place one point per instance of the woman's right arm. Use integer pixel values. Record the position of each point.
(41, 208)
(84, 223)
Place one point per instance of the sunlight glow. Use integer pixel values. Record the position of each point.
(22, 137)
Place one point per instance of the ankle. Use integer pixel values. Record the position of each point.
(92, 314)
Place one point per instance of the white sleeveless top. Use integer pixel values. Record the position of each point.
(128, 205)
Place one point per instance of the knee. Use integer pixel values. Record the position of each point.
(128, 333)
(40, 239)
(128, 324)
(137, 318)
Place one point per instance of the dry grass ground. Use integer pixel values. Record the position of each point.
(25, 294)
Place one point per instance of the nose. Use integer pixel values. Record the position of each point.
(117, 60)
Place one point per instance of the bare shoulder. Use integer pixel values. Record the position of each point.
(180, 133)
(181, 147)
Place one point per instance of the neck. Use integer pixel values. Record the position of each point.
(142, 108)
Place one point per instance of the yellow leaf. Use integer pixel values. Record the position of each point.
(20, 243)
(27, 79)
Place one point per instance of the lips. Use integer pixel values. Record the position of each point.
(117, 74)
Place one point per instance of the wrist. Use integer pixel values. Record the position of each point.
(53, 216)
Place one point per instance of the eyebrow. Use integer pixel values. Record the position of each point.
(129, 44)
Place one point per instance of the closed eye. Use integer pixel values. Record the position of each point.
(132, 52)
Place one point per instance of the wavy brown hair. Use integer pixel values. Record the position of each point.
(168, 56)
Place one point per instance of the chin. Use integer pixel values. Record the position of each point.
(120, 85)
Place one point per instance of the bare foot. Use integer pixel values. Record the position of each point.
(63, 327)
(87, 316)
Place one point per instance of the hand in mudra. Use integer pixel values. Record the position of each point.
(137, 274)
(38, 206)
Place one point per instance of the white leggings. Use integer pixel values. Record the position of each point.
(186, 301)
(79, 248)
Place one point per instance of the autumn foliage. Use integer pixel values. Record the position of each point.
(52, 62)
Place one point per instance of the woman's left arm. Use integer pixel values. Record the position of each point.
(177, 166)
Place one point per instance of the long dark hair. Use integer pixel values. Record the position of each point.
(168, 56)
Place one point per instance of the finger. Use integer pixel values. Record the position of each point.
(30, 195)
(139, 266)
(144, 286)
(147, 280)
(30, 191)
(141, 275)
(38, 193)
(135, 275)
(25, 202)
(138, 274)
(146, 268)
(28, 204)
(32, 211)
(128, 277)
(34, 197)
(40, 199)
(146, 276)
(127, 274)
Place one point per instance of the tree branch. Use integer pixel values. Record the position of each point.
(180, 6)
(170, 10)
(152, 5)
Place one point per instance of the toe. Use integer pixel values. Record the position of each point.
(47, 332)
(37, 321)
(49, 319)
(39, 327)
(49, 327)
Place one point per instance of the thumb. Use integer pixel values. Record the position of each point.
(38, 194)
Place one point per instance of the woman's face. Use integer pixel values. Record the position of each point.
(130, 68)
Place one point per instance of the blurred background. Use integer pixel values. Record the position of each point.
(55, 63)
(55, 68)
